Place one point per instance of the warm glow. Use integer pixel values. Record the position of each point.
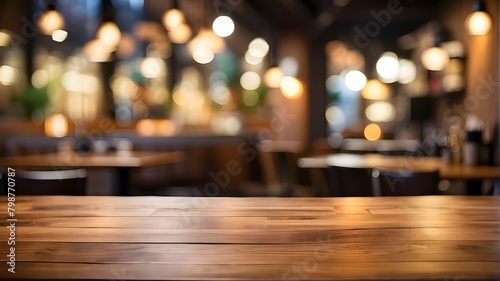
(219, 93)
(407, 71)
(372, 132)
(96, 51)
(226, 124)
(152, 67)
(273, 76)
(223, 26)
(291, 87)
(203, 55)
(59, 35)
(165, 127)
(250, 80)
(250, 59)
(180, 34)
(4, 38)
(355, 80)
(8, 75)
(109, 34)
(380, 112)
(258, 47)
(173, 18)
(478, 23)
(206, 38)
(146, 127)
(388, 67)
(435, 58)
(56, 126)
(375, 90)
(40, 78)
(50, 21)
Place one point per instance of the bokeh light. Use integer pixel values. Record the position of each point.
(375, 90)
(388, 67)
(380, 112)
(291, 87)
(355, 80)
(56, 126)
(223, 26)
(258, 47)
(250, 80)
(372, 132)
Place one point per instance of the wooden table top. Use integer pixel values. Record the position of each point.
(406, 163)
(196, 238)
(127, 159)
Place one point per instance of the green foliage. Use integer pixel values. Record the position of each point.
(32, 99)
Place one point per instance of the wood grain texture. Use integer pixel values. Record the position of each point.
(185, 238)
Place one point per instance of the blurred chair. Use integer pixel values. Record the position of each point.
(391, 182)
(346, 181)
(63, 182)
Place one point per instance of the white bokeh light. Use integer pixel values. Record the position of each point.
(407, 71)
(250, 80)
(388, 67)
(380, 112)
(258, 47)
(355, 80)
(223, 26)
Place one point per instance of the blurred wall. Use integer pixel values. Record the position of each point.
(482, 75)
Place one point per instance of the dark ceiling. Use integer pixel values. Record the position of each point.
(336, 19)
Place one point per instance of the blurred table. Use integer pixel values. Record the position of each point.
(123, 161)
(472, 174)
(404, 163)
(200, 238)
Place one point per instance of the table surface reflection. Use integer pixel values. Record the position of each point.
(200, 238)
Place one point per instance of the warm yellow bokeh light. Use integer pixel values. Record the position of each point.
(50, 21)
(180, 34)
(435, 58)
(478, 23)
(291, 87)
(56, 126)
(273, 76)
(165, 127)
(109, 34)
(146, 127)
(173, 18)
(375, 90)
(372, 132)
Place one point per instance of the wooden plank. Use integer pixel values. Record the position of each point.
(306, 270)
(275, 222)
(329, 252)
(252, 236)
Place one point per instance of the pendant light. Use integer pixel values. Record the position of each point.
(479, 21)
(51, 20)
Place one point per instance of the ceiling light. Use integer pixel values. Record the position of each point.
(50, 21)
(478, 22)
